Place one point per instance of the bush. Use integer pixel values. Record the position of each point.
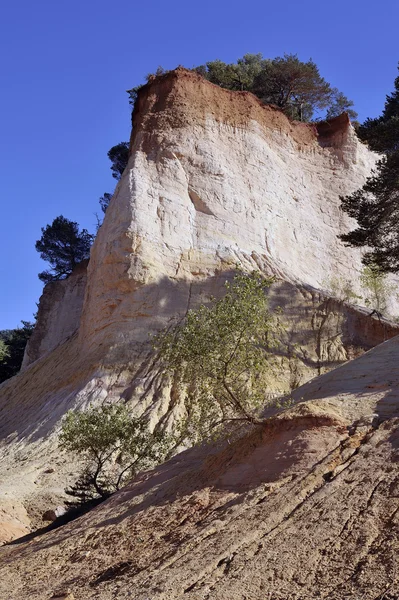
(220, 357)
(114, 445)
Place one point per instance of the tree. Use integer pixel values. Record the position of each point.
(340, 104)
(119, 156)
(63, 246)
(220, 356)
(376, 205)
(115, 447)
(291, 84)
(12, 348)
(294, 86)
(238, 76)
(104, 201)
(377, 288)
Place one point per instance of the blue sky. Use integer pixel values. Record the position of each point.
(65, 66)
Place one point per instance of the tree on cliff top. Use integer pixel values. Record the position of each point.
(63, 246)
(376, 205)
(291, 84)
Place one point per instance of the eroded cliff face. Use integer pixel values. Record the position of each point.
(59, 313)
(215, 178)
(302, 507)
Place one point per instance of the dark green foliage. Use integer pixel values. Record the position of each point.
(115, 447)
(376, 205)
(340, 105)
(291, 84)
(220, 357)
(12, 347)
(376, 208)
(294, 86)
(133, 93)
(119, 156)
(104, 201)
(63, 246)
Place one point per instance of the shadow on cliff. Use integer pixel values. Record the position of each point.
(33, 402)
(197, 469)
(192, 471)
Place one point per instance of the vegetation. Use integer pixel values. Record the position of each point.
(291, 84)
(63, 246)
(12, 348)
(376, 205)
(104, 201)
(377, 288)
(114, 445)
(220, 357)
(119, 156)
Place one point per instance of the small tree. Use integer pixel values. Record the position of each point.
(119, 157)
(63, 246)
(115, 447)
(220, 356)
(12, 348)
(340, 104)
(104, 201)
(377, 288)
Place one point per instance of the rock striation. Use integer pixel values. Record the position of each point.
(215, 178)
(58, 317)
(304, 506)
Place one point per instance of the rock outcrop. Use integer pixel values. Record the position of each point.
(215, 178)
(305, 506)
(59, 313)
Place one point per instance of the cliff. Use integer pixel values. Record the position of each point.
(215, 178)
(58, 317)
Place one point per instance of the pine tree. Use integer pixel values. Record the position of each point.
(376, 205)
(63, 246)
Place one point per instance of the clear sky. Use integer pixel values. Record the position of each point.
(65, 66)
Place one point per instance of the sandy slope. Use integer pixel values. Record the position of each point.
(304, 507)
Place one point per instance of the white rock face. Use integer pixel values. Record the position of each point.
(59, 314)
(217, 178)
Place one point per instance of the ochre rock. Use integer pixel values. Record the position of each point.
(305, 506)
(215, 178)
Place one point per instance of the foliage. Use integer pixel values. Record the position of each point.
(115, 447)
(63, 246)
(104, 201)
(4, 351)
(340, 104)
(293, 85)
(12, 348)
(220, 356)
(376, 205)
(119, 156)
(378, 289)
